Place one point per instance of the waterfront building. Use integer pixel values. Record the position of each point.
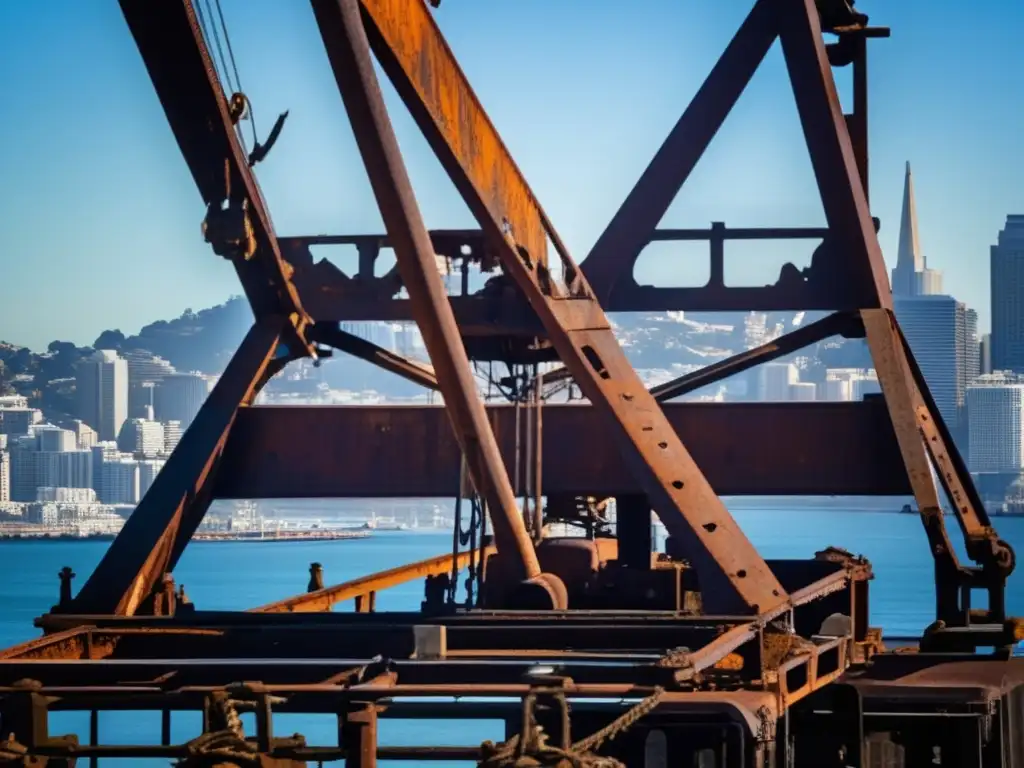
(102, 381)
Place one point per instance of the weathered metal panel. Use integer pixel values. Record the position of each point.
(405, 451)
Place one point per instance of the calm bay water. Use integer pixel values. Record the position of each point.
(239, 575)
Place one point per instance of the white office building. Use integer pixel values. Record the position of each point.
(5, 476)
(996, 416)
(141, 436)
(102, 382)
(121, 481)
(148, 470)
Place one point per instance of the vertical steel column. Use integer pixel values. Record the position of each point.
(349, 52)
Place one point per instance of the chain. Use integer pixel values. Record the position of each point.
(226, 744)
(514, 753)
(621, 723)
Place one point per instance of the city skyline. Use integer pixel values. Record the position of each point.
(125, 231)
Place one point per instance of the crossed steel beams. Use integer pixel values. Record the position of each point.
(516, 227)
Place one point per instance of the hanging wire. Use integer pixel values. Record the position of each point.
(228, 75)
(234, 67)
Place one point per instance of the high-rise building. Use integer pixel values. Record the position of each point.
(1007, 286)
(102, 382)
(937, 329)
(180, 396)
(972, 346)
(148, 470)
(120, 481)
(172, 435)
(5, 476)
(64, 469)
(996, 417)
(911, 277)
(145, 371)
(85, 436)
(141, 436)
(101, 454)
(24, 451)
(985, 354)
(18, 420)
(54, 439)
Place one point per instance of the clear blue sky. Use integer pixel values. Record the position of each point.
(99, 219)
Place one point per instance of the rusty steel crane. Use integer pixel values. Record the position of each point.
(723, 658)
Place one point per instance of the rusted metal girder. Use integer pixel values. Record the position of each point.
(172, 46)
(415, 56)
(783, 448)
(841, 323)
(410, 370)
(325, 599)
(917, 422)
(238, 226)
(157, 532)
(349, 53)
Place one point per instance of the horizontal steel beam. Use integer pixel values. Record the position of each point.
(405, 451)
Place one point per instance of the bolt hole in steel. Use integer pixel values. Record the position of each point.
(710, 527)
(741, 574)
(663, 445)
(595, 361)
(524, 256)
(677, 484)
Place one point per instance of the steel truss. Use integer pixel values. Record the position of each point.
(761, 663)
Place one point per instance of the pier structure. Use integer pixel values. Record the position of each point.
(593, 650)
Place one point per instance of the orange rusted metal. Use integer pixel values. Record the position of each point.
(325, 599)
(413, 53)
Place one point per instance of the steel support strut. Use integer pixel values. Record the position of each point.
(349, 52)
(155, 535)
(630, 229)
(415, 56)
(171, 42)
(919, 428)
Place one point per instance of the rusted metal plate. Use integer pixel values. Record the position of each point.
(399, 451)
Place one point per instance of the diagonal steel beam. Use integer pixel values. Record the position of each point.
(155, 535)
(923, 438)
(415, 56)
(349, 51)
(840, 323)
(410, 370)
(631, 228)
(172, 46)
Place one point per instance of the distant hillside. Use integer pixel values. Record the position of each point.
(205, 340)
